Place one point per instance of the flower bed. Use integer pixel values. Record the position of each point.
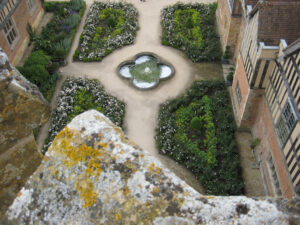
(52, 46)
(57, 37)
(79, 95)
(108, 26)
(197, 129)
(191, 28)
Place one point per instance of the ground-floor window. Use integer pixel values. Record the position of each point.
(273, 174)
(10, 32)
(238, 93)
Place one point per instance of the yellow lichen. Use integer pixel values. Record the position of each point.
(154, 169)
(117, 216)
(85, 155)
(126, 191)
(155, 190)
(87, 193)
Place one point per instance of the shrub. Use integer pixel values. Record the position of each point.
(230, 76)
(37, 58)
(72, 21)
(76, 4)
(53, 67)
(196, 123)
(36, 74)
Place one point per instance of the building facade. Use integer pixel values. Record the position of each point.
(265, 89)
(14, 17)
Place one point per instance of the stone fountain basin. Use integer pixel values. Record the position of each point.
(125, 68)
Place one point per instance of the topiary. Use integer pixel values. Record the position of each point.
(196, 123)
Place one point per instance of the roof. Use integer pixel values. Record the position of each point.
(278, 20)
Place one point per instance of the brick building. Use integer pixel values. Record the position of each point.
(14, 16)
(265, 44)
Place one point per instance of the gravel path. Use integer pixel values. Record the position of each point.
(142, 106)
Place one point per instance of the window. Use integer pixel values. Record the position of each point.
(10, 32)
(285, 124)
(273, 175)
(6, 9)
(238, 93)
(31, 5)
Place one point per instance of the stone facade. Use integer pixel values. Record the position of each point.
(20, 17)
(22, 108)
(92, 174)
(229, 28)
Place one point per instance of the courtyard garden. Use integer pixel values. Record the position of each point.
(108, 26)
(77, 96)
(191, 28)
(197, 130)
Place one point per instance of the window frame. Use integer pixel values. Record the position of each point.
(31, 5)
(286, 123)
(11, 33)
(238, 93)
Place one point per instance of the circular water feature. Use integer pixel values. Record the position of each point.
(145, 71)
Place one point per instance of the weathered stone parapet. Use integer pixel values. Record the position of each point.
(92, 174)
(22, 108)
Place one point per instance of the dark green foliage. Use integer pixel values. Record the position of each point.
(196, 123)
(39, 70)
(84, 101)
(197, 129)
(57, 36)
(230, 76)
(31, 32)
(37, 58)
(191, 28)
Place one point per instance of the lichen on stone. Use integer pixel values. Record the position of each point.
(100, 178)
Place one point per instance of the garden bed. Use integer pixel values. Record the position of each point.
(191, 28)
(79, 95)
(108, 26)
(197, 130)
(52, 46)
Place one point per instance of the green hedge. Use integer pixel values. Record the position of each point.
(191, 28)
(197, 129)
(40, 70)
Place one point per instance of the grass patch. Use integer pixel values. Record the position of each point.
(197, 130)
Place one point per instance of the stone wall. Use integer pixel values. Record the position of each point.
(92, 174)
(229, 28)
(22, 108)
